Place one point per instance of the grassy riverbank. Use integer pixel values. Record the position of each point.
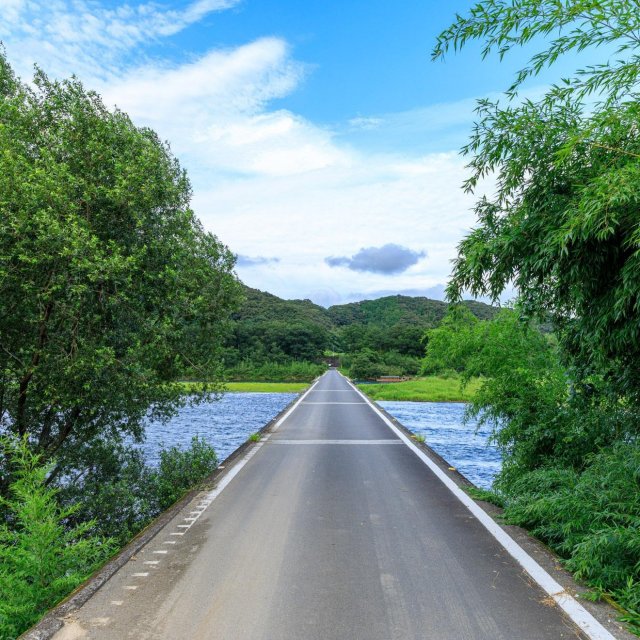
(256, 387)
(429, 389)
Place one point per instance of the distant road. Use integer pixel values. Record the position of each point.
(334, 529)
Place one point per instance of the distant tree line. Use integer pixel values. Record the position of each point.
(373, 337)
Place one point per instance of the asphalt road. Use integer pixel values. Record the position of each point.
(333, 530)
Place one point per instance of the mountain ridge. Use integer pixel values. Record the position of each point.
(385, 311)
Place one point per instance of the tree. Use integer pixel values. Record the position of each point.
(563, 225)
(365, 365)
(110, 288)
(450, 346)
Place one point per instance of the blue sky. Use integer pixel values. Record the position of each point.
(320, 139)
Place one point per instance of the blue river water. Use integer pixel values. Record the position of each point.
(228, 422)
(463, 445)
(224, 423)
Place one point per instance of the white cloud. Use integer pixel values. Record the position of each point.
(267, 181)
(87, 38)
(303, 218)
(215, 111)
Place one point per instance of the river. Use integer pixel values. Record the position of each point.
(228, 422)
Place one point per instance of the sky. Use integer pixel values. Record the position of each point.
(321, 140)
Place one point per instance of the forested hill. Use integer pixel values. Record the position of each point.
(260, 306)
(392, 310)
(389, 331)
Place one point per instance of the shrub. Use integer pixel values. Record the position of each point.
(591, 518)
(122, 494)
(292, 371)
(181, 470)
(41, 558)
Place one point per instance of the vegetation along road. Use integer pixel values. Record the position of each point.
(332, 528)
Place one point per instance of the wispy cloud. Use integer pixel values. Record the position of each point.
(215, 111)
(88, 37)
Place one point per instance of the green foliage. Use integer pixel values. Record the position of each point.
(260, 306)
(563, 228)
(276, 341)
(538, 411)
(255, 387)
(110, 287)
(267, 329)
(120, 494)
(181, 470)
(247, 370)
(576, 24)
(592, 518)
(562, 225)
(571, 462)
(365, 365)
(41, 558)
(115, 491)
(449, 346)
(254, 437)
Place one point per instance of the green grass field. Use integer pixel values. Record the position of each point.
(263, 387)
(429, 389)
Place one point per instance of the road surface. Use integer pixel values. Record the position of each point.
(334, 529)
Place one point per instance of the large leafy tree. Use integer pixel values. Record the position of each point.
(564, 223)
(109, 287)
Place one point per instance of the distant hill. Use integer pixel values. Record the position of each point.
(260, 306)
(269, 332)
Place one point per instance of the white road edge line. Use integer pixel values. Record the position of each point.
(205, 501)
(295, 406)
(235, 470)
(582, 618)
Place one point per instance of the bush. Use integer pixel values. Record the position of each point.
(591, 518)
(365, 365)
(122, 494)
(116, 492)
(292, 371)
(41, 558)
(181, 470)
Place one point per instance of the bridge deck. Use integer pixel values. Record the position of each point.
(334, 529)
